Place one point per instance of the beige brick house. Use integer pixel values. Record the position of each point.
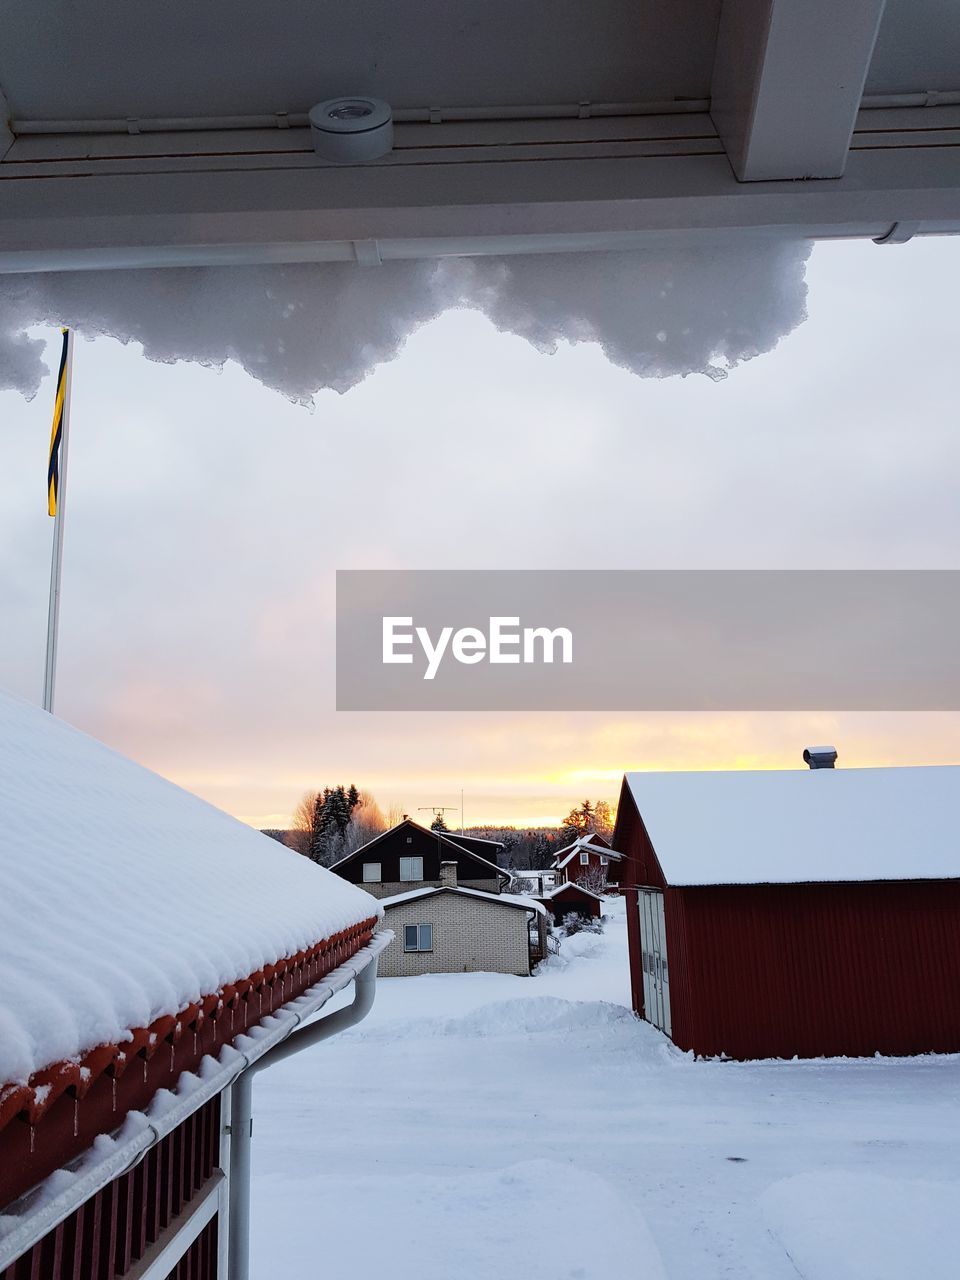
(452, 929)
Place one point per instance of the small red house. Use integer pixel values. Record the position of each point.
(588, 860)
(572, 899)
(148, 942)
(795, 913)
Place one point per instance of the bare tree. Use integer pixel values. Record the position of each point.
(593, 877)
(300, 833)
(395, 816)
(366, 822)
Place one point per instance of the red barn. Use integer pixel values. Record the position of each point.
(795, 913)
(154, 955)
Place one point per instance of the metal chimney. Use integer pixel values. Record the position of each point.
(820, 757)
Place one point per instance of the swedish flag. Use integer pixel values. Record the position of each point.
(56, 431)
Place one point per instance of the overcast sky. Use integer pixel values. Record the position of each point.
(207, 516)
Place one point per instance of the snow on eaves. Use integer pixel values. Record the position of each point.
(124, 898)
(802, 825)
(303, 327)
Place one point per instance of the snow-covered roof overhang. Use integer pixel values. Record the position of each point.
(125, 900)
(801, 826)
(519, 128)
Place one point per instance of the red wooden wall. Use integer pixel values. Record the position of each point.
(807, 970)
(104, 1237)
(819, 969)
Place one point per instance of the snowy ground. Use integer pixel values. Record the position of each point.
(492, 1127)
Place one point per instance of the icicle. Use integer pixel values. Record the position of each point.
(76, 1116)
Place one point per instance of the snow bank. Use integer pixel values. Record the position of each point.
(124, 898)
(300, 328)
(802, 825)
(845, 1226)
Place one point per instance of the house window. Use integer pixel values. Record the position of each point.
(584, 858)
(371, 873)
(603, 862)
(418, 937)
(411, 868)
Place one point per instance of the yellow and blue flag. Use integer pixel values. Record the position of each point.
(56, 432)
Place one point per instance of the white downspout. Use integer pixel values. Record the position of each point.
(241, 1110)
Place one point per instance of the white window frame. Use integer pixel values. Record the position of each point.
(368, 866)
(411, 879)
(584, 858)
(419, 947)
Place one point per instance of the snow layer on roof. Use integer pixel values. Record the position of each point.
(510, 899)
(802, 825)
(124, 898)
(571, 885)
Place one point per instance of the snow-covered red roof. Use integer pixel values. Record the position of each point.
(124, 898)
(586, 843)
(504, 899)
(802, 825)
(571, 886)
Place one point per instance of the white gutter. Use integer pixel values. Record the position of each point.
(441, 115)
(29, 1219)
(241, 1102)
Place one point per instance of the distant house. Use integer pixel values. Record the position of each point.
(568, 898)
(142, 932)
(448, 928)
(536, 882)
(590, 860)
(793, 912)
(408, 856)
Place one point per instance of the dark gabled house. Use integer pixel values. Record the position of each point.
(409, 856)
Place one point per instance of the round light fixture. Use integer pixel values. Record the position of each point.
(351, 130)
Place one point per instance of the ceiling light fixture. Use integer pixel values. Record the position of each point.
(351, 130)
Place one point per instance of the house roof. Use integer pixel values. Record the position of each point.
(653, 98)
(802, 825)
(501, 899)
(125, 900)
(445, 840)
(586, 842)
(570, 886)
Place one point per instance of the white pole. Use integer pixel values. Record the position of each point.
(53, 608)
(461, 811)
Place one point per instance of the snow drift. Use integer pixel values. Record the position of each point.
(305, 327)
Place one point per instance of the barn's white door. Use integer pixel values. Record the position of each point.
(653, 954)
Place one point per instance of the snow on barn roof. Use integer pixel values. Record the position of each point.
(124, 898)
(803, 825)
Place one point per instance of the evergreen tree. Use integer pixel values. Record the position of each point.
(353, 796)
(438, 824)
(320, 835)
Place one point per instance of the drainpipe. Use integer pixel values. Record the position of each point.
(241, 1109)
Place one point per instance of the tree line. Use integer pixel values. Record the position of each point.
(333, 822)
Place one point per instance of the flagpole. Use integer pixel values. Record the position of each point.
(53, 608)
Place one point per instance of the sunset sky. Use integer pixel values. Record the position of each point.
(207, 517)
